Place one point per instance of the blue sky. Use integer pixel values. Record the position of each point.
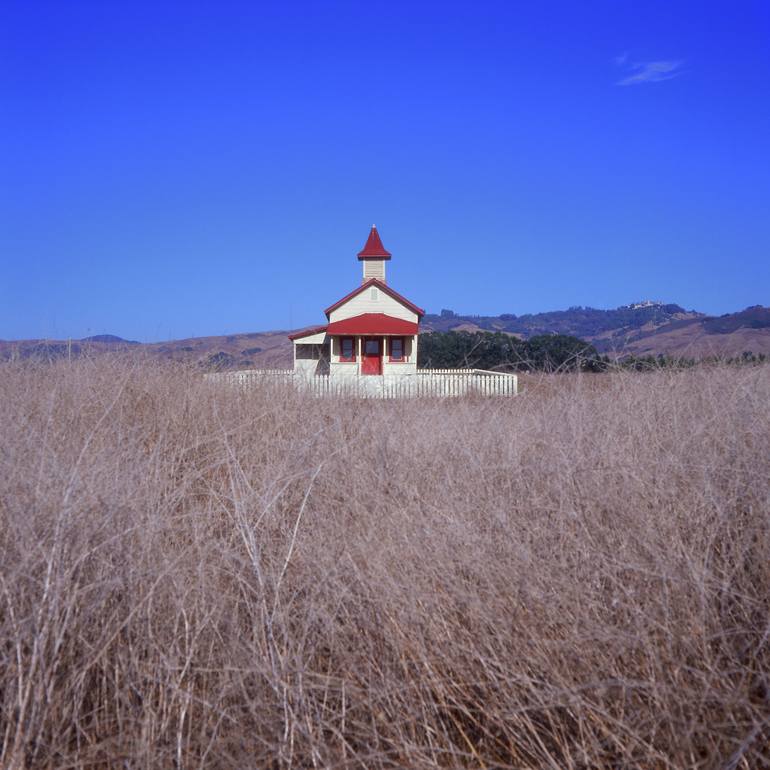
(183, 169)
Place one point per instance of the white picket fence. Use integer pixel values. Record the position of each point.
(426, 383)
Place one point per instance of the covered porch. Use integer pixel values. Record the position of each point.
(372, 344)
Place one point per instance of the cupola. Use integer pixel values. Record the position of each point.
(373, 256)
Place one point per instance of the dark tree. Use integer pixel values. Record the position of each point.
(496, 351)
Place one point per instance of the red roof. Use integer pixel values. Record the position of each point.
(307, 332)
(374, 248)
(372, 323)
(383, 287)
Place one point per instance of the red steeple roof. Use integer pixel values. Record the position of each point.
(374, 248)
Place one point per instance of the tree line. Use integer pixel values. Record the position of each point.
(500, 352)
(496, 351)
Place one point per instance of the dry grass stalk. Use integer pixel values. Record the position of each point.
(197, 577)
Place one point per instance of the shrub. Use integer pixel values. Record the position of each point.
(497, 351)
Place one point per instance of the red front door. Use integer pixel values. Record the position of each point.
(371, 362)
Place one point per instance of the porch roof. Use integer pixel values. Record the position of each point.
(307, 332)
(373, 323)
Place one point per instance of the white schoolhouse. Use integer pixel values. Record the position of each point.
(368, 348)
(371, 332)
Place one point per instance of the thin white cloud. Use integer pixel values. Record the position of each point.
(648, 71)
(622, 59)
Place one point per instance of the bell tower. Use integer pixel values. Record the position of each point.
(374, 256)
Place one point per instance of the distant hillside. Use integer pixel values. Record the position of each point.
(233, 351)
(110, 339)
(639, 329)
(585, 322)
(725, 335)
(262, 350)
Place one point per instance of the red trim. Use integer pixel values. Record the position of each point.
(400, 360)
(382, 286)
(373, 324)
(307, 332)
(374, 248)
(344, 359)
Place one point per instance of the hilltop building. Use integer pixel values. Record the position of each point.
(372, 331)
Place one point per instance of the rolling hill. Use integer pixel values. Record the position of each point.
(640, 329)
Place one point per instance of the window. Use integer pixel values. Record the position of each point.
(347, 349)
(396, 348)
(372, 347)
(308, 352)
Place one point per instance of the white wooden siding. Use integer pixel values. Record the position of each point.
(396, 368)
(363, 303)
(374, 268)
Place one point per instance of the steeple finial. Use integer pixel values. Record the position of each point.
(374, 248)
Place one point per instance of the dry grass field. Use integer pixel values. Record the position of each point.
(196, 577)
